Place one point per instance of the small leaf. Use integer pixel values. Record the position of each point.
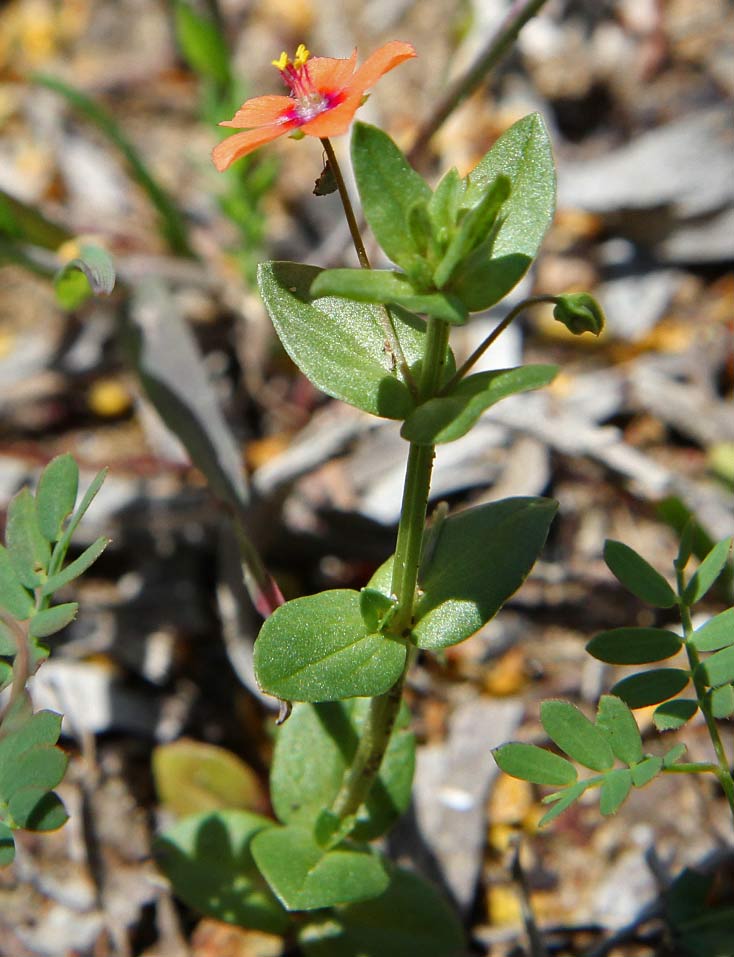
(50, 620)
(579, 312)
(531, 763)
(687, 544)
(37, 809)
(326, 736)
(76, 568)
(28, 549)
(33, 730)
(474, 227)
(637, 575)
(56, 495)
(651, 687)
(618, 723)
(562, 800)
(480, 559)
(94, 486)
(386, 286)
(708, 571)
(448, 418)
(389, 188)
(410, 919)
(722, 701)
(318, 648)
(614, 789)
(193, 777)
(676, 752)
(340, 346)
(646, 770)
(39, 767)
(717, 632)
(634, 646)
(305, 877)
(375, 608)
(576, 735)
(7, 845)
(719, 668)
(13, 596)
(208, 860)
(91, 273)
(671, 715)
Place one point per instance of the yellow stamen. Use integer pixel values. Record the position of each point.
(302, 54)
(282, 62)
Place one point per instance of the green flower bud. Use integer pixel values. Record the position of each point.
(579, 312)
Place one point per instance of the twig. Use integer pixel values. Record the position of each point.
(517, 16)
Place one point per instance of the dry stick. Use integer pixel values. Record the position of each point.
(517, 16)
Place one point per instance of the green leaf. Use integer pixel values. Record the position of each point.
(480, 558)
(386, 286)
(410, 919)
(76, 568)
(671, 715)
(676, 752)
(56, 495)
(50, 620)
(444, 204)
(717, 632)
(687, 543)
(475, 227)
(524, 155)
(201, 43)
(389, 188)
(719, 668)
(531, 763)
(193, 777)
(41, 728)
(376, 608)
(91, 273)
(576, 735)
(618, 723)
(305, 877)
(562, 801)
(448, 418)
(722, 701)
(208, 860)
(707, 573)
(326, 736)
(318, 648)
(637, 575)
(614, 789)
(40, 767)
(651, 687)
(7, 845)
(37, 809)
(94, 486)
(634, 646)
(337, 345)
(646, 770)
(13, 597)
(28, 549)
(24, 222)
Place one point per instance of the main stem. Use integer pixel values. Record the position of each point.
(723, 771)
(383, 709)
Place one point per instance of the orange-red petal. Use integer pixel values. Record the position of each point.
(240, 144)
(260, 111)
(328, 74)
(335, 121)
(378, 63)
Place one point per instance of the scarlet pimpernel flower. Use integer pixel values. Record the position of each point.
(325, 93)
